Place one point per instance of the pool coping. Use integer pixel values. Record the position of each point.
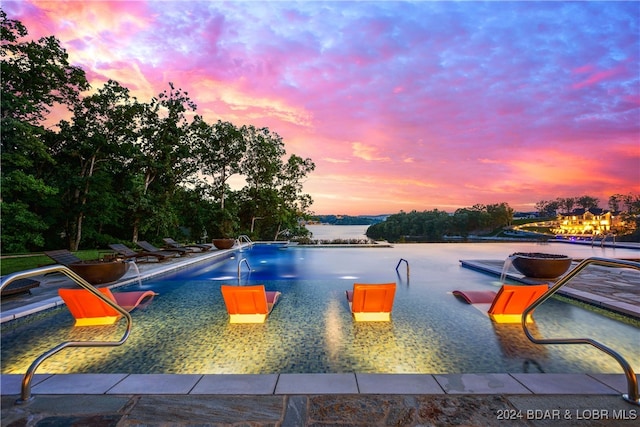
(318, 383)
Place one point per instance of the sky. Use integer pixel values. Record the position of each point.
(401, 105)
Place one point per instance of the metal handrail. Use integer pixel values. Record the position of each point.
(246, 239)
(25, 394)
(632, 382)
(400, 262)
(242, 260)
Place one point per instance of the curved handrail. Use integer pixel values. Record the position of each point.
(25, 394)
(244, 237)
(632, 382)
(400, 262)
(242, 260)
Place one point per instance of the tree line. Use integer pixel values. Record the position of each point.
(624, 203)
(435, 225)
(117, 169)
(346, 219)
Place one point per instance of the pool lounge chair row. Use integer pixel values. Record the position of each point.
(195, 247)
(252, 304)
(374, 302)
(173, 249)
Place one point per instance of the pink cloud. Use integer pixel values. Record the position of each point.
(597, 77)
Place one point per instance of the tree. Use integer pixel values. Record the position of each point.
(196, 211)
(261, 166)
(220, 149)
(614, 202)
(567, 204)
(102, 127)
(501, 214)
(548, 208)
(36, 76)
(293, 203)
(163, 161)
(587, 202)
(272, 202)
(263, 157)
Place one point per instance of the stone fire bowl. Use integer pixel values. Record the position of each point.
(98, 272)
(224, 243)
(541, 265)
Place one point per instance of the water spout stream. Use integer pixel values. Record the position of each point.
(132, 262)
(505, 268)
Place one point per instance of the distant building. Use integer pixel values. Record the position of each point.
(588, 223)
(525, 215)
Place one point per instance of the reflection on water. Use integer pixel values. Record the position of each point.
(186, 328)
(333, 232)
(333, 331)
(515, 345)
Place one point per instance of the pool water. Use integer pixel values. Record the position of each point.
(186, 329)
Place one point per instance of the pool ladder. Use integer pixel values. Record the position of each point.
(244, 238)
(242, 261)
(400, 262)
(632, 395)
(25, 394)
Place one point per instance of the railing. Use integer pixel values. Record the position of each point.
(632, 382)
(242, 260)
(245, 238)
(604, 239)
(400, 262)
(25, 395)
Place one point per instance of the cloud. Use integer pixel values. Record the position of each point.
(367, 152)
(331, 160)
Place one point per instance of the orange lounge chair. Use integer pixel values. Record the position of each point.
(371, 302)
(507, 305)
(89, 310)
(248, 304)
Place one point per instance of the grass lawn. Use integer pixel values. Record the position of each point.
(11, 264)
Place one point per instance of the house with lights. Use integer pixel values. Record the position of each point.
(588, 223)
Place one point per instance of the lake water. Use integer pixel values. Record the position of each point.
(332, 232)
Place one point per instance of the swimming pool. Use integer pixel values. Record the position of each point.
(186, 329)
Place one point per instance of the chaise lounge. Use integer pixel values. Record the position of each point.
(129, 253)
(89, 310)
(506, 305)
(175, 245)
(167, 251)
(371, 302)
(248, 304)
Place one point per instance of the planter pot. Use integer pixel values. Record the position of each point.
(224, 243)
(540, 265)
(97, 272)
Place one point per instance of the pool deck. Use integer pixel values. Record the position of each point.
(350, 399)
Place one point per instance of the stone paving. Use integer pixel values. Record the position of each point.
(320, 410)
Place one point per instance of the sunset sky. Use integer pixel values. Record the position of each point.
(401, 105)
